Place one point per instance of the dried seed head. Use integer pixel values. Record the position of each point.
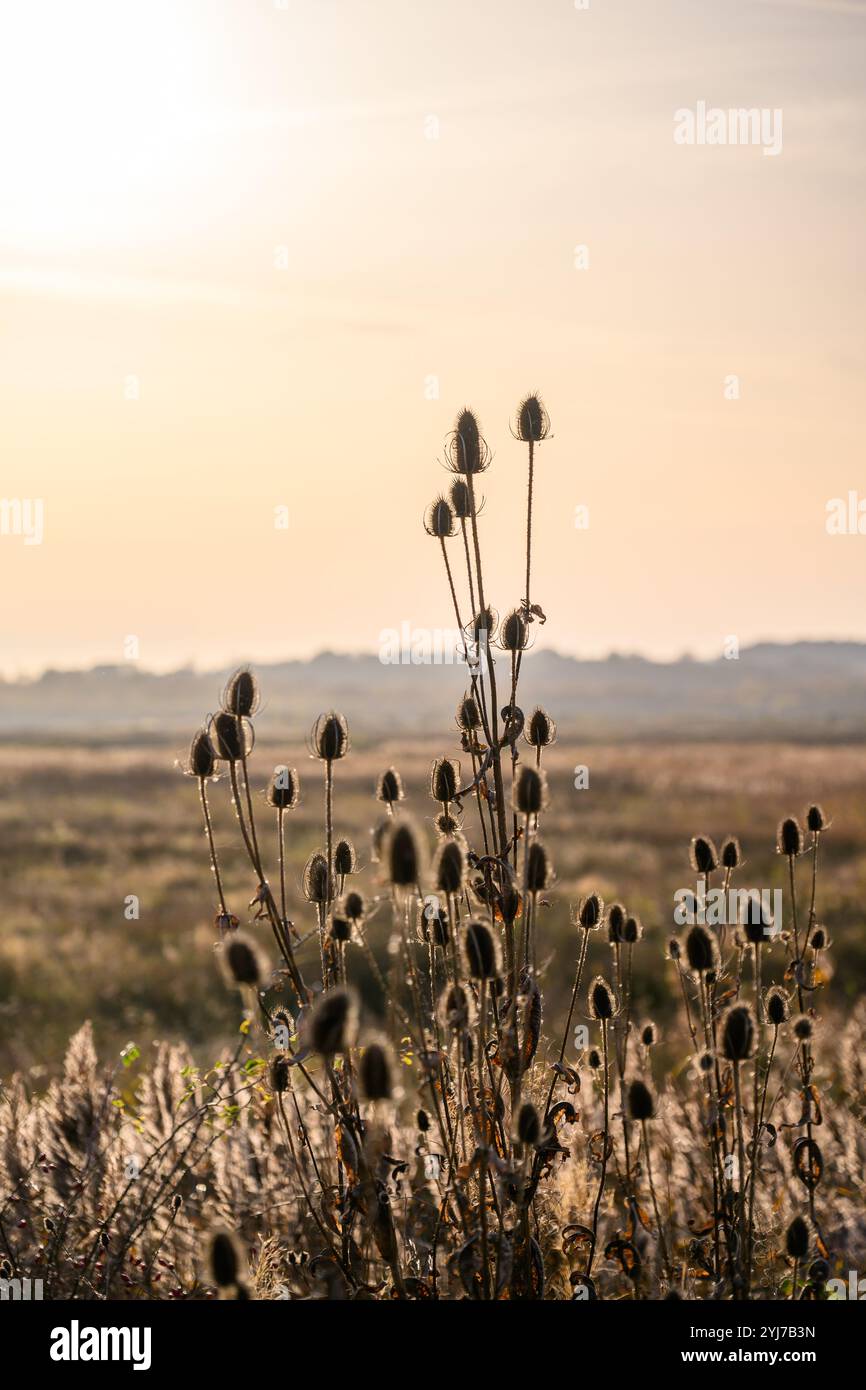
(731, 855)
(539, 870)
(439, 521)
(468, 714)
(757, 923)
(703, 855)
(330, 1027)
(632, 930)
(675, 950)
(241, 695)
(243, 961)
(789, 840)
(404, 855)
(461, 502)
(455, 1008)
(529, 796)
(509, 903)
(615, 923)
(649, 1034)
(819, 940)
(777, 1006)
(330, 737)
(389, 788)
(594, 1058)
(479, 952)
(466, 449)
(602, 1000)
(284, 790)
(816, 820)
(804, 1028)
(706, 1061)
(447, 825)
(514, 634)
(532, 423)
(340, 928)
(641, 1102)
(422, 1120)
(797, 1239)
(449, 869)
(353, 907)
(226, 1259)
(345, 859)
(738, 1033)
(231, 737)
(540, 731)
(318, 884)
(444, 780)
(702, 950)
(435, 926)
(279, 1074)
(202, 756)
(482, 628)
(375, 1072)
(590, 912)
(527, 1129)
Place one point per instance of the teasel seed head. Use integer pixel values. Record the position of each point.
(466, 449)
(376, 1072)
(731, 854)
(330, 737)
(241, 695)
(529, 797)
(675, 950)
(594, 1059)
(819, 940)
(468, 714)
(331, 1025)
(797, 1239)
(345, 859)
(318, 884)
(757, 923)
(230, 736)
(243, 961)
(353, 906)
(738, 1033)
(632, 930)
(803, 1028)
(444, 780)
(449, 868)
(514, 633)
(777, 1006)
(703, 855)
(706, 1061)
(404, 855)
(532, 423)
(455, 1008)
(649, 1034)
(422, 1120)
(816, 820)
(284, 789)
(539, 870)
(439, 521)
(278, 1072)
(789, 840)
(479, 952)
(461, 501)
(447, 824)
(615, 923)
(202, 756)
(527, 1129)
(540, 730)
(389, 788)
(509, 903)
(702, 950)
(226, 1259)
(602, 1000)
(641, 1101)
(339, 928)
(435, 926)
(590, 912)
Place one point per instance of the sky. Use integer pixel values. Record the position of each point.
(255, 256)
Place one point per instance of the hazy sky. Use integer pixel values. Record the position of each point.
(275, 224)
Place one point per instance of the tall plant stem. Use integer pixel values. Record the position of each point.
(603, 1150)
(211, 845)
(649, 1173)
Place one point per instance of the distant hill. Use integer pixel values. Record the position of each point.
(814, 691)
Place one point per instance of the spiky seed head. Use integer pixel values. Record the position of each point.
(777, 1006)
(330, 737)
(529, 797)
(318, 885)
(509, 903)
(444, 780)
(330, 1027)
(590, 912)
(479, 951)
(467, 450)
(602, 1000)
(514, 633)
(615, 923)
(731, 855)
(649, 1034)
(675, 950)
(703, 855)
(340, 928)
(706, 1061)
(435, 926)
(594, 1058)
(202, 756)
(439, 521)
(789, 840)
(241, 695)
(468, 714)
(540, 729)
(389, 788)
(738, 1033)
(230, 737)
(449, 868)
(816, 820)
(243, 961)
(422, 1120)
(345, 859)
(353, 906)
(278, 1072)
(532, 424)
(757, 923)
(539, 870)
(797, 1239)
(455, 1008)
(632, 930)
(404, 855)
(461, 501)
(641, 1102)
(702, 950)
(284, 790)
(447, 824)
(804, 1028)
(226, 1259)
(483, 627)
(527, 1129)
(375, 1072)
(819, 940)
